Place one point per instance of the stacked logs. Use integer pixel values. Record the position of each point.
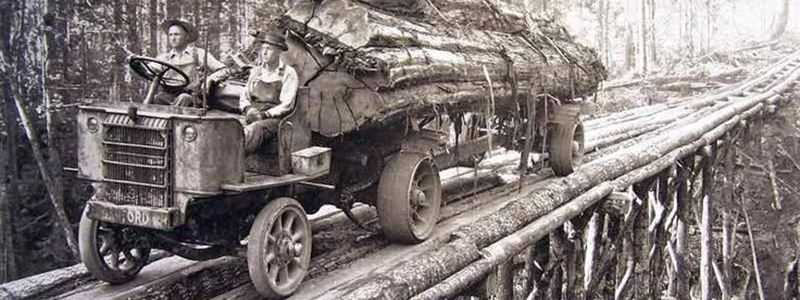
(370, 63)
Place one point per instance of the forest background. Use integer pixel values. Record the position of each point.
(58, 54)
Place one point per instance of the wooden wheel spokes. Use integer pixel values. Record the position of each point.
(118, 258)
(106, 253)
(421, 193)
(279, 254)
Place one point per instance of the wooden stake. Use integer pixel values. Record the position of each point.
(706, 235)
(536, 259)
(776, 196)
(683, 203)
(752, 249)
(790, 284)
(592, 244)
(500, 282)
(608, 259)
(727, 252)
(625, 286)
(557, 246)
(656, 231)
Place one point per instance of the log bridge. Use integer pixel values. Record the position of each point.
(618, 227)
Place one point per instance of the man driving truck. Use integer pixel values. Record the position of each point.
(189, 59)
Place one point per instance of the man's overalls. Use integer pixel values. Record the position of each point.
(263, 96)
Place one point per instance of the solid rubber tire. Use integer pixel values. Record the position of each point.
(393, 207)
(561, 147)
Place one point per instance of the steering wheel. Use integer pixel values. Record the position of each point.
(154, 69)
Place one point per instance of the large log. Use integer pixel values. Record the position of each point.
(461, 13)
(372, 67)
(415, 276)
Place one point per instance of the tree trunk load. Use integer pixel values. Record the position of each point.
(370, 64)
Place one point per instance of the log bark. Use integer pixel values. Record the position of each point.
(388, 66)
(501, 15)
(56, 282)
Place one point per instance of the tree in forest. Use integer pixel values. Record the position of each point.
(52, 68)
(782, 21)
(8, 265)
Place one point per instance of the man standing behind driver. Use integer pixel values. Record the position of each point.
(180, 34)
(269, 93)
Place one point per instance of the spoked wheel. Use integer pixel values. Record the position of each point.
(279, 248)
(106, 254)
(566, 147)
(409, 196)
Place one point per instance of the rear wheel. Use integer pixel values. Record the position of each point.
(106, 253)
(409, 196)
(566, 147)
(279, 248)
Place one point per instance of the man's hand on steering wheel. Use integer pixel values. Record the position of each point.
(154, 69)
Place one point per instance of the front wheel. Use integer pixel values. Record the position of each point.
(106, 253)
(409, 196)
(279, 248)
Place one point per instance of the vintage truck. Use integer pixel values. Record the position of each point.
(177, 178)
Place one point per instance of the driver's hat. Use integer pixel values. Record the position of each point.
(191, 32)
(274, 39)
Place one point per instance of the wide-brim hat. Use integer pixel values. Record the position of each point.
(274, 39)
(191, 32)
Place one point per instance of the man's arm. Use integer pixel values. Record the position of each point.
(159, 67)
(244, 97)
(288, 94)
(213, 64)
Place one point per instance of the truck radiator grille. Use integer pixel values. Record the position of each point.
(136, 161)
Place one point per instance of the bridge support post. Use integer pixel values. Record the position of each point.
(706, 237)
(655, 229)
(557, 253)
(678, 286)
(593, 242)
(500, 282)
(536, 261)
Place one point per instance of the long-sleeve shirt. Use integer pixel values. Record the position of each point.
(289, 83)
(189, 60)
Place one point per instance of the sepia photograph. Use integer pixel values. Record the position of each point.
(400, 149)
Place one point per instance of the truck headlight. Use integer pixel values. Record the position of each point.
(189, 134)
(92, 124)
